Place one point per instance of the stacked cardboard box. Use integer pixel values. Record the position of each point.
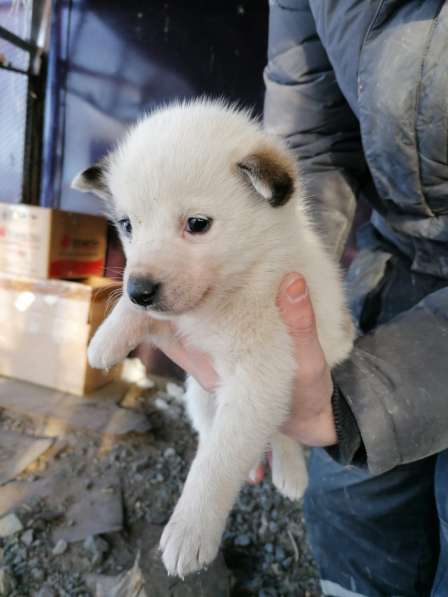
(46, 321)
(50, 243)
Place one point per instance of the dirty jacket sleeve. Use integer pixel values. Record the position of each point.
(304, 105)
(396, 380)
(396, 385)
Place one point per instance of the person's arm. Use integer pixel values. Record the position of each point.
(391, 403)
(305, 106)
(396, 385)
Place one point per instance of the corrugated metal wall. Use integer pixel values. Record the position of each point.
(112, 61)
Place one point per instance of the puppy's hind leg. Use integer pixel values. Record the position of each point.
(201, 408)
(289, 472)
(250, 407)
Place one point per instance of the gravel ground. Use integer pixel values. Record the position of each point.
(264, 546)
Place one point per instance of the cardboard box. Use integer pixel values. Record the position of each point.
(45, 327)
(50, 243)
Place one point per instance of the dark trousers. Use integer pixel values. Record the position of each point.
(379, 536)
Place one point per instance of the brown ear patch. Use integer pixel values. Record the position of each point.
(271, 175)
(94, 175)
(93, 180)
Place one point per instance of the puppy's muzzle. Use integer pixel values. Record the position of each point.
(143, 291)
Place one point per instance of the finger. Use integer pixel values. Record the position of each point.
(174, 350)
(257, 475)
(298, 314)
(191, 360)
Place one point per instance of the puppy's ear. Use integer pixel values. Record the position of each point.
(93, 180)
(270, 174)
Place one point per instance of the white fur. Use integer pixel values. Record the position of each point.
(220, 290)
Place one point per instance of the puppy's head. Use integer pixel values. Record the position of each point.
(199, 194)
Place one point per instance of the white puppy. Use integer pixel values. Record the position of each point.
(212, 216)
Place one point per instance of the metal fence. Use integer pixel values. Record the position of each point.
(23, 25)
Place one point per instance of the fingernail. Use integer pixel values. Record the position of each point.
(296, 291)
(253, 476)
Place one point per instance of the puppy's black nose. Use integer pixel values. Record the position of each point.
(143, 291)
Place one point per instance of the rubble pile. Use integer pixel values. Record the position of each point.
(82, 504)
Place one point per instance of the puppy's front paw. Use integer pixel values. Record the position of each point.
(189, 542)
(105, 351)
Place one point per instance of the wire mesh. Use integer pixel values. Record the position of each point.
(13, 108)
(13, 56)
(16, 16)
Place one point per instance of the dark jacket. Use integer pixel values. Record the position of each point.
(359, 88)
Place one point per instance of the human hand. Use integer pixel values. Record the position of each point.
(311, 419)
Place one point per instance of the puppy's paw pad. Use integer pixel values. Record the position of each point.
(103, 354)
(94, 356)
(187, 545)
(100, 359)
(290, 481)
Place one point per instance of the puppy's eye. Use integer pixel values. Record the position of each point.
(198, 225)
(125, 226)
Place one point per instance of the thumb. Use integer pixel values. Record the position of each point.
(298, 315)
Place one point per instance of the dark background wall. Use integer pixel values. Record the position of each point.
(110, 61)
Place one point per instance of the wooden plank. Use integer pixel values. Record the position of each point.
(18, 451)
(90, 512)
(61, 410)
